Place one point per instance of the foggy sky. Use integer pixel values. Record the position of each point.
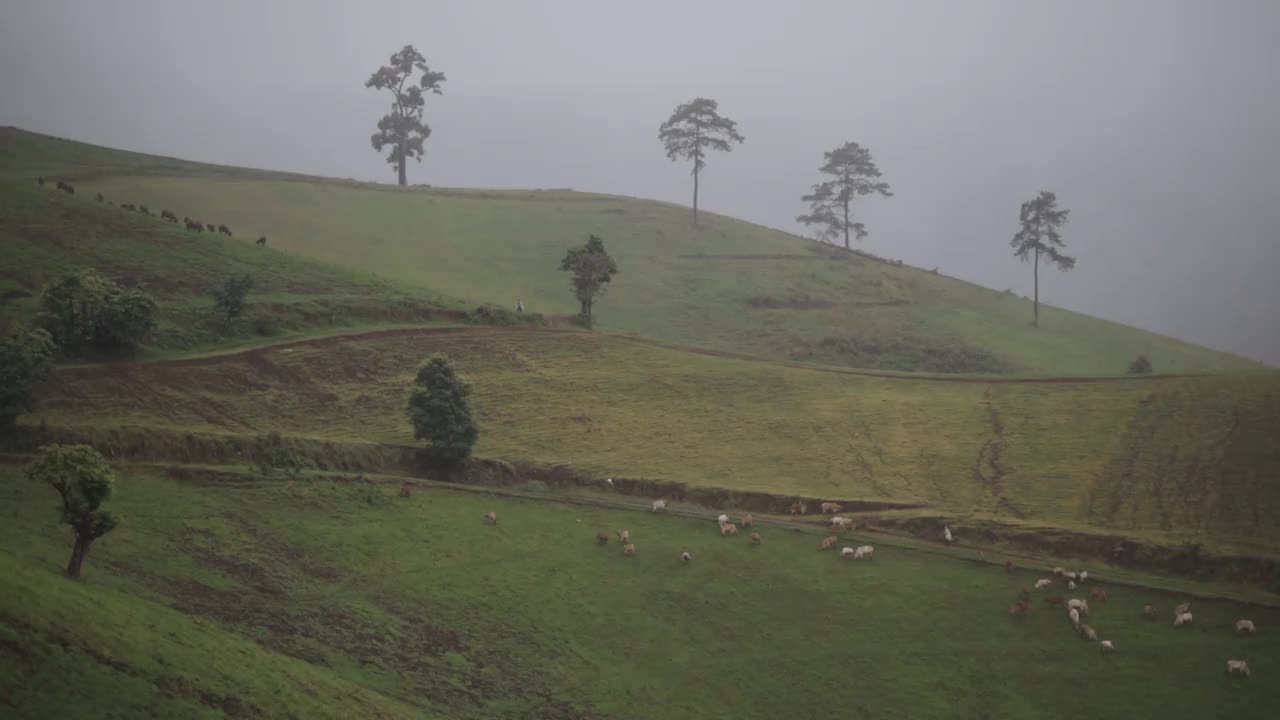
(1157, 123)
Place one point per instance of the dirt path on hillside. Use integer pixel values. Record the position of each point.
(109, 370)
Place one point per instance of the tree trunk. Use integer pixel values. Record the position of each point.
(695, 196)
(846, 225)
(1035, 322)
(403, 180)
(78, 552)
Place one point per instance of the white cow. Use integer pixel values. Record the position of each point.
(864, 552)
(1043, 583)
(1183, 619)
(722, 519)
(1238, 666)
(659, 505)
(847, 552)
(1245, 626)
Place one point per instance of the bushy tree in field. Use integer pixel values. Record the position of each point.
(693, 129)
(852, 174)
(592, 270)
(403, 129)
(1040, 238)
(231, 298)
(86, 310)
(84, 481)
(26, 357)
(1140, 366)
(441, 413)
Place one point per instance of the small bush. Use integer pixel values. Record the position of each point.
(1140, 366)
(86, 310)
(231, 298)
(273, 457)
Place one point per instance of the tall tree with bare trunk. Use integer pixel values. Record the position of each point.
(695, 128)
(1040, 239)
(853, 174)
(403, 129)
(84, 481)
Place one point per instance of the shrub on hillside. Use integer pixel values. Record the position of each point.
(26, 357)
(231, 298)
(87, 311)
(494, 315)
(441, 413)
(1140, 366)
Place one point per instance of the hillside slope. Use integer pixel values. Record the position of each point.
(729, 285)
(1177, 459)
(228, 596)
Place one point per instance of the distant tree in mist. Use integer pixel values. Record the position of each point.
(403, 129)
(694, 129)
(852, 174)
(592, 270)
(1141, 365)
(1039, 239)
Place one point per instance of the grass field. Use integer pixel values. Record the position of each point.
(359, 603)
(729, 285)
(1188, 459)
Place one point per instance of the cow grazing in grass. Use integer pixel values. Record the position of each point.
(1238, 667)
(1149, 612)
(602, 538)
(628, 549)
(1088, 633)
(798, 508)
(659, 505)
(168, 215)
(406, 489)
(224, 230)
(1107, 647)
(755, 538)
(211, 227)
(831, 508)
(64, 187)
(685, 557)
(40, 181)
(1098, 594)
(728, 529)
(747, 520)
(828, 542)
(262, 241)
(491, 518)
(1245, 627)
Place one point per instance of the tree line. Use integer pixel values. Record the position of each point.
(693, 131)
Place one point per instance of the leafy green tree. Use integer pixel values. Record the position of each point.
(84, 481)
(87, 310)
(1140, 366)
(693, 129)
(440, 412)
(592, 270)
(26, 357)
(853, 174)
(231, 298)
(403, 129)
(1040, 238)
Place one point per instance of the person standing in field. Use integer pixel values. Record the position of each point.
(519, 305)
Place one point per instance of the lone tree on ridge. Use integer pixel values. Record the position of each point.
(853, 173)
(403, 128)
(84, 481)
(694, 128)
(1041, 219)
(592, 270)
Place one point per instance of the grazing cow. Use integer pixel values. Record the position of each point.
(1098, 593)
(755, 538)
(624, 536)
(99, 197)
(846, 552)
(1238, 667)
(831, 508)
(66, 188)
(685, 557)
(168, 215)
(1088, 633)
(1078, 604)
(1072, 576)
(728, 529)
(1245, 627)
(1149, 612)
(406, 489)
(1059, 571)
(1008, 567)
(747, 520)
(211, 227)
(828, 542)
(1183, 619)
(1182, 609)
(40, 181)
(864, 552)
(1019, 609)
(1107, 647)
(1074, 614)
(798, 508)
(659, 505)
(602, 538)
(841, 523)
(195, 226)
(1054, 601)
(628, 549)
(722, 519)
(1084, 575)
(262, 241)
(491, 518)
(1043, 583)
(224, 230)
(1071, 584)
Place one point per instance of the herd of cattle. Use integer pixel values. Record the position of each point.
(166, 215)
(1077, 608)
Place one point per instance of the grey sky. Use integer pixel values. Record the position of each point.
(1157, 123)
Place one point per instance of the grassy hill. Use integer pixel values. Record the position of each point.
(728, 285)
(44, 233)
(226, 596)
(1181, 459)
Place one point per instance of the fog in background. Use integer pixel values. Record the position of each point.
(1157, 123)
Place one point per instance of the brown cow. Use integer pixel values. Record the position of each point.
(755, 538)
(1098, 593)
(746, 520)
(832, 508)
(491, 517)
(828, 542)
(1088, 633)
(1149, 612)
(602, 538)
(1008, 566)
(628, 549)
(798, 508)
(728, 529)
(406, 489)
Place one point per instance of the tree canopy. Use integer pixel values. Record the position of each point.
(440, 411)
(852, 174)
(26, 358)
(84, 481)
(403, 129)
(86, 310)
(1040, 238)
(592, 270)
(231, 297)
(693, 129)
